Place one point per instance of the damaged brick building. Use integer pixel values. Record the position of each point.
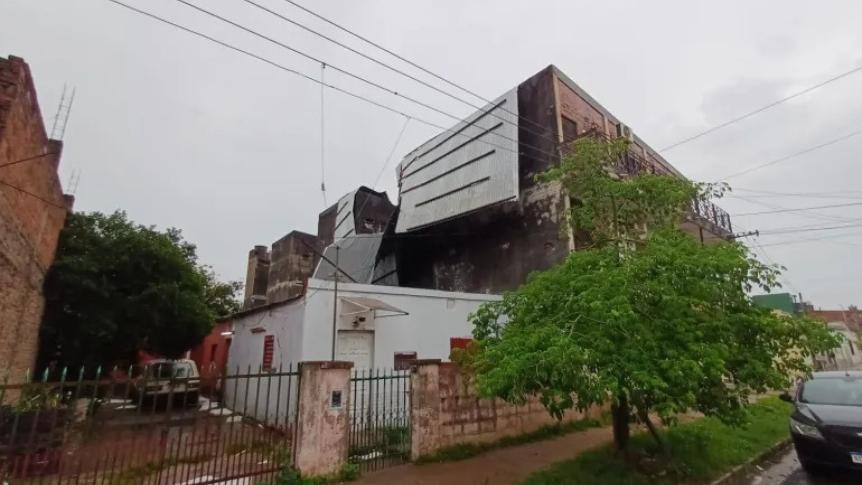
(33, 210)
(470, 216)
(357, 221)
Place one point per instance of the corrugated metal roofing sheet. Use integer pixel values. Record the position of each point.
(463, 169)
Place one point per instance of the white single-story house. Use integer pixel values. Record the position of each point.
(377, 326)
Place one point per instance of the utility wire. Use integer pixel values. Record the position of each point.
(310, 78)
(798, 229)
(341, 70)
(391, 153)
(760, 109)
(792, 155)
(35, 157)
(797, 194)
(398, 71)
(322, 133)
(403, 59)
(828, 239)
(31, 194)
(777, 211)
(814, 215)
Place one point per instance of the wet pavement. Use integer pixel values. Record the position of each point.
(786, 470)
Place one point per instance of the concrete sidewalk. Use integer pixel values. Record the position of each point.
(505, 465)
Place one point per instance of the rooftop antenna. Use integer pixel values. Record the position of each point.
(74, 178)
(61, 119)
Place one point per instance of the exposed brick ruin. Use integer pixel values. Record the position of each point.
(29, 223)
(281, 272)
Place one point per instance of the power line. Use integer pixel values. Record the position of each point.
(35, 157)
(310, 78)
(777, 211)
(761, 109)
(322, 132)
(336, 68)
(814, 215)
(828, 239)
(396, 70)
(792, 155)
(391, 153)
(799, 194)
(31, 194)
(403, 59)
(798, 229)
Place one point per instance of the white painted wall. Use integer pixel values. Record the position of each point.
(267, 398)
(303, 332)
(433, 318)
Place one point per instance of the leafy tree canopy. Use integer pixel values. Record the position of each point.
(117, 287)
(648, 318)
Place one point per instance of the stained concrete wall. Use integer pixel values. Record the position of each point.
(256, 277)
(322, 435)
(446, 411)
(292, 262)
(29, 225)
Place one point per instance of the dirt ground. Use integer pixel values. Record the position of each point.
(504, 465)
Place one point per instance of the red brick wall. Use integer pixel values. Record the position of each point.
(29, 227)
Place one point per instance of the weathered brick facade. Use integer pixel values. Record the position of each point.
(32, 212)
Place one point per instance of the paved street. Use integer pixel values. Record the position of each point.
(785, 470)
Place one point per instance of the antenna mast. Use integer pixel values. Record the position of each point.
(61, 119)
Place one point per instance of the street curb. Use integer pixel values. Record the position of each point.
(740, 470)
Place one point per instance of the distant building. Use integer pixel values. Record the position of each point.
(782, 302)
(851, 317)
(33, 210)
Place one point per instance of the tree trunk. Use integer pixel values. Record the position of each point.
(652, 429)
(620, 414)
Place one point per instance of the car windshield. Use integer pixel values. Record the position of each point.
(168, 370)
(838, 391)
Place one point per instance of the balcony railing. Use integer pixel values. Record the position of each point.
(706, 210)
(632, 163)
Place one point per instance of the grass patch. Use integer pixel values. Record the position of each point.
(699, 451)
(289, 476)
(463, 451)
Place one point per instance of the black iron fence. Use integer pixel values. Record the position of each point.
(160, 424)
(379, 418)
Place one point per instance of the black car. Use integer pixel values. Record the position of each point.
(826, 424)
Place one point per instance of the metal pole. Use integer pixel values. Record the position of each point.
(335, 303)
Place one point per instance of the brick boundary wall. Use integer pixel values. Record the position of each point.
(446, 411)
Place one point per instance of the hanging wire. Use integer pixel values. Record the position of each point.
(322, 131)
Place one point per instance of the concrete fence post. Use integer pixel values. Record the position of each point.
(424, 407)
(323, 420)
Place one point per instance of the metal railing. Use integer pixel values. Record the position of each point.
(379, 418)
(160, 425)
(632, 163)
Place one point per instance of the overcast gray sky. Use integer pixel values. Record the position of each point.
(180, 132)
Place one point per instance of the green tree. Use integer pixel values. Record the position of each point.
(117, 287)
(647, 318)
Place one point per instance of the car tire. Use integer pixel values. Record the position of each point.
(809, 467)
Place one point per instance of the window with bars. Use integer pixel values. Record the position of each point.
(268, 350)
(403, 360)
